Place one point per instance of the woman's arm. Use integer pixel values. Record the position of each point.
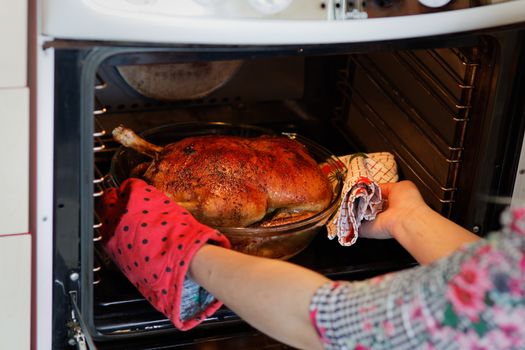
(427, 237)
(425, 234)
(271, 295)
(274, 296)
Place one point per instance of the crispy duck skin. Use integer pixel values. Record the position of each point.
(227, 181)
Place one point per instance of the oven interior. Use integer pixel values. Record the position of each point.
(434, 104)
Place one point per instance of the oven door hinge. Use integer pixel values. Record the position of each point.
(350, 9)
(78, 332)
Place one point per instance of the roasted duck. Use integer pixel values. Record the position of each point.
(234, 181)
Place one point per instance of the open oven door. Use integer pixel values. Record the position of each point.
(79, 335)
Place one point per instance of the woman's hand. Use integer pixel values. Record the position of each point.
(401, 200)
(424, 233)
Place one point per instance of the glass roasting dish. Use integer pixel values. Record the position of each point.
(278, 242)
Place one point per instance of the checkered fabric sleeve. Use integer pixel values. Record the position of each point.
(473, 299)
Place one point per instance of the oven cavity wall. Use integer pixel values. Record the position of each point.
(330, 93)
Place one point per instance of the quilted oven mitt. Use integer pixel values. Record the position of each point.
(152, 240)
(361, 195)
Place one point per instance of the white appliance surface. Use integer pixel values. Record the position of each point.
(253, 22)
(42, 198)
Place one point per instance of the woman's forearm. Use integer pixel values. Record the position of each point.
(271, 295)
(428, 236)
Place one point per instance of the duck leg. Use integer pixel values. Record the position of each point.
(128, 138)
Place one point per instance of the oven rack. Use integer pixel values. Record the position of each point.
(417, 105)
(119, 97)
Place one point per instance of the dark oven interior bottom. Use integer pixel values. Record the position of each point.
(121, 312)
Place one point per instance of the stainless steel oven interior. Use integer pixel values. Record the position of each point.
(448, 109)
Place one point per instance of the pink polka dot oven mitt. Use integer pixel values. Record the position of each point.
(361, 195)
(152, 240)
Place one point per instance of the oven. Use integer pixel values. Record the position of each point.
(447, 102)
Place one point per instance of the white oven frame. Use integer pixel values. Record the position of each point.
(518, 194)
(42, 197)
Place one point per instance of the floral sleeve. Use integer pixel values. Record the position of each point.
(473, 299)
